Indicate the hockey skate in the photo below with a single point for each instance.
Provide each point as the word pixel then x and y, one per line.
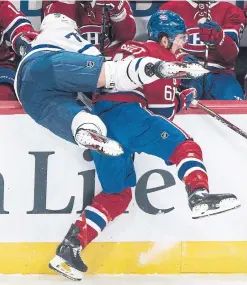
pixel 93 140
pixel 67 261
pixel 181 70
pixel 203 204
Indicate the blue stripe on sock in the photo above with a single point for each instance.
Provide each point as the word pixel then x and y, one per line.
pixel 187 165
pixel 96 219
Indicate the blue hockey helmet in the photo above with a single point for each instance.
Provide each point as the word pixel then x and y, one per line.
pixel 166 22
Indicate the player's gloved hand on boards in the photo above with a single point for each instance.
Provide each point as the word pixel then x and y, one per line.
pixel 22 44
pixel 211 33
pixel 114 7
pixel 185 98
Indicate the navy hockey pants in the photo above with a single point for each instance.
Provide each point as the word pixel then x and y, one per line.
pixel 218 86
pixel 47 83
pixel 138 130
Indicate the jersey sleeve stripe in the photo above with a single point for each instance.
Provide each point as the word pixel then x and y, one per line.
pixel 19 21
pixel 233 34
pixel 85 48
pixel 45 47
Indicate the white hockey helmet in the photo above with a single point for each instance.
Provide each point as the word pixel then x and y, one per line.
pixel 57 20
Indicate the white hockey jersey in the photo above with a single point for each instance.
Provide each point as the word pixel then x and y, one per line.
pixel 63 39
pixel 56 40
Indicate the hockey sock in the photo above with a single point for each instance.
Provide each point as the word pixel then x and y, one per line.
pixel 191 170
pixel 129 75
pixel 104 208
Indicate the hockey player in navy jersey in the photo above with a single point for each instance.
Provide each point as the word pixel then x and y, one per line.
pixel 139 130
pixel 214 29
pixel 17 30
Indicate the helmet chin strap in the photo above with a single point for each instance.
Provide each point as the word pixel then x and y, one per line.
pixel 170 44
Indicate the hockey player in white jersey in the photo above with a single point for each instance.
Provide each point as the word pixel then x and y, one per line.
pixel 61 64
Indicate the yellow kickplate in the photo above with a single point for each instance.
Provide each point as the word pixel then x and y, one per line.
pixel 108 258
pixel 214 257
pixel 131 258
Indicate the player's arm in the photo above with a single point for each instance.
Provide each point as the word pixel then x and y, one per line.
pixel 67 8
pixel 121 18
pixel 14 25
pixel 123 24
pixel 225 39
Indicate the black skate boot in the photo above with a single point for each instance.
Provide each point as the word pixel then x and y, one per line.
pixel 68 261
pixel 203 204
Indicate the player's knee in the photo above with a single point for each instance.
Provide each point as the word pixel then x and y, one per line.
pixel 86 120
pixel 230 91
pixel 188 148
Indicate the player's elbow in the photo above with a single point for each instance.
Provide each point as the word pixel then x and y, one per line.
pixel 229 50
pixel 128 35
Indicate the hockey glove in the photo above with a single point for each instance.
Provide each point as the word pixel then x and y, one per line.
pixel 185 98
pixel 22 44
pixel 211 34
pixel 190 58
pixel 115 7
pixel 183 56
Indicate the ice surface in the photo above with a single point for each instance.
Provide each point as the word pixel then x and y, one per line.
pixel 204 279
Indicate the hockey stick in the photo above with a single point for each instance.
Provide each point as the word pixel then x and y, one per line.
pixel 206 53
pixel 207 46
pixel 85 100
pixel 102 35
pixel 225 122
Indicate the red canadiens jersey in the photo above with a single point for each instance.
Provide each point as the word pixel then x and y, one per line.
pixel 159 96
pixel 12 24
pixel 89 18
pixel 228 16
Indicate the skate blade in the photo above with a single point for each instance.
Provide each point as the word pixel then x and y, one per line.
pixel 59 265
pixel 99 143
pixel 225 205
pixel 184 70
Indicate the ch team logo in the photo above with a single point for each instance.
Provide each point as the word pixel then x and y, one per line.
pixel 194 37
pixel 91 33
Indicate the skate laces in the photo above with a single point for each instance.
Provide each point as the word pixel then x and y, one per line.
pixel 198 192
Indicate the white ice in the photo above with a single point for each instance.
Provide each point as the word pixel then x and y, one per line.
pixel 188 279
